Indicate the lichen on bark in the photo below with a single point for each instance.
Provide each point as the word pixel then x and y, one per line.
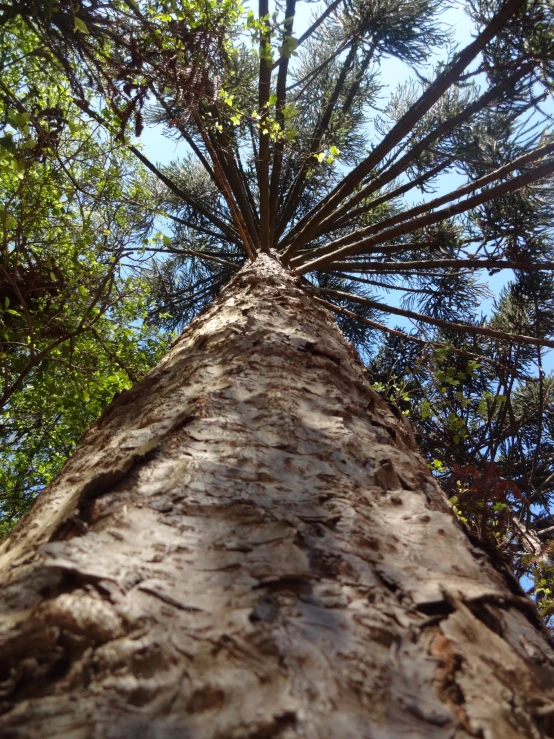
pixel 248 544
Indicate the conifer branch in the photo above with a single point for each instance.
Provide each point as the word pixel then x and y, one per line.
pixel 295 193
pixel 539 172
pixel 235 211
pixel 511 371
pixel 469 264
pixel 406 123
pixel 263 109
pixel 448 325
pixel 487 179
pixel 281 93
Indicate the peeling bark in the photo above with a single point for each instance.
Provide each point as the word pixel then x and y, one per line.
pixel 248 545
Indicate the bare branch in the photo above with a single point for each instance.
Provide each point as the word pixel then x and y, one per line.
pixel 539 172
pixel 279 145
pixel 470 264
pixel 416 340
pixel 448 325
pixel 295 192
pixel 436 202
pixel 263 109
pixel 184 195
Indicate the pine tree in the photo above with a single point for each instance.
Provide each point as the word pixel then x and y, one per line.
pixel 247 543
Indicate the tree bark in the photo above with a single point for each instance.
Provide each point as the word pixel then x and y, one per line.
pixel 247 544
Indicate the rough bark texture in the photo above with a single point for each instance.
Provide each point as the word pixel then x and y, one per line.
pixel 247 544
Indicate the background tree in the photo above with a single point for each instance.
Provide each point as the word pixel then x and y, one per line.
pixel 71 332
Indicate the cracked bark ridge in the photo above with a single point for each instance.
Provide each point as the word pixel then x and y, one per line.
pixel 247 544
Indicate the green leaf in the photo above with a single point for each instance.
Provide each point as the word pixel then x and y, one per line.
pixel 289 46
pixel 80 25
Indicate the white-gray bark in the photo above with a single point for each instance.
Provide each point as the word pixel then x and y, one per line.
pixel 247 544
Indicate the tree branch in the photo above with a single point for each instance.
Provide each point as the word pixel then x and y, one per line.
pixel 472 264
pixel 279 145
pixel 448 325
pixel 295 192
pixel 408 120
pixel 263 107
pixel 539 172
pixel 416 340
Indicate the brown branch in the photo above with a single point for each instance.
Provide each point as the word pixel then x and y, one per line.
pixel 334 224
pixel 537 173
pixel 183 194
pixel 406 123
pixel 190 141
pixel 368 322
pixel 417 340
pixel 179 191
pixel 315 25
pixel 235 211
pixel 415 151
pixel 355 87
pixel 222 149
pixel 472 264
pixel 448 325
pixel 196 253
pixel 308 78
pixel 436 202
pixel 279 145
pixel 246 186
pixel 201 229
pixel 295 192
pixel 263 107
pixel 386 285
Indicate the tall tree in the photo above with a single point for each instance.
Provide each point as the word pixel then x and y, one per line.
pixel 247 543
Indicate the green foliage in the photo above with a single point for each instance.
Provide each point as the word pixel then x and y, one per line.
pixel 43 422
pixel 72 330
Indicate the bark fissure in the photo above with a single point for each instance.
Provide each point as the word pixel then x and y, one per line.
pixel 247 544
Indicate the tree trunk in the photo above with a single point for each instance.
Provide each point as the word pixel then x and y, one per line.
pixel 247 544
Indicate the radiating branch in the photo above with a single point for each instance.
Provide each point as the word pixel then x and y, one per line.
pixel 423 342
pixel 470 264
pixel 448 325
pixel 184 195
pixel 295 193
pixel 263 109
pixel 407 122
pixel 539 172
pixel 236 213
pixel 279 145
pixel 313 28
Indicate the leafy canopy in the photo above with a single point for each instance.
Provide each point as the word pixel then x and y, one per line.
pixel 72 205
